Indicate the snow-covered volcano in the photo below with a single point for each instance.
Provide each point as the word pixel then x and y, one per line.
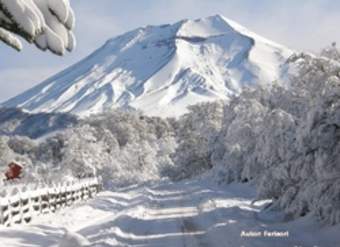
pixel 161 70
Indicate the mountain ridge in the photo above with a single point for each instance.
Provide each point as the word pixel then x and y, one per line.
pixel 161 70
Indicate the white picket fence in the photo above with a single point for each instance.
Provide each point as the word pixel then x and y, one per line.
pixel 20 203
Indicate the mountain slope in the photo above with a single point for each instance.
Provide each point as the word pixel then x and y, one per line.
pixel 161 70
pixel 14 121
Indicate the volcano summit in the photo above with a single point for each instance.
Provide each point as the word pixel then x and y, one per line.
pixel 161 70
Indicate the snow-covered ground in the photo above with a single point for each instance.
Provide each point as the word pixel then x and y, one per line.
pixel 189 213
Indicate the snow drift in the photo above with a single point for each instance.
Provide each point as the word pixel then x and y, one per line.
pixel 161 70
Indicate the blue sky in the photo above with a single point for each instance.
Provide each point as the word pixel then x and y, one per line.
pixel 299 24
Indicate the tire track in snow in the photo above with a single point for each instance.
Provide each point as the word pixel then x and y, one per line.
pixel 185 214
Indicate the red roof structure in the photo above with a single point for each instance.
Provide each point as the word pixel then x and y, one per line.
pixel 13 171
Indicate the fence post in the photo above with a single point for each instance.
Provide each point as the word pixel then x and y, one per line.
pixel 25 205
pixel 5 214
pixel 14 207
pixel 58 196
pixel 52 198
pixel 2 207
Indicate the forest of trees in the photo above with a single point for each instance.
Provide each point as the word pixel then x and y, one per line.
pixel 284 139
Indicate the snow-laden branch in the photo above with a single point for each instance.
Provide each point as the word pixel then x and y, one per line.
pixel 47 23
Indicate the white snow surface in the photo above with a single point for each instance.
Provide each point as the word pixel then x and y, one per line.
pixel 161 70
pixel 188 213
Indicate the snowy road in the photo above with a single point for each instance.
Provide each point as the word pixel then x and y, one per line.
pixel 171 214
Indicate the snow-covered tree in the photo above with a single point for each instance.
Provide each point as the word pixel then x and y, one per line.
pixel 331 52
pixel 286 139
pixel 242 123
pixel 316 168
pixel 46 23
pixel 80 153
pixel 196 133
pixel 6 153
